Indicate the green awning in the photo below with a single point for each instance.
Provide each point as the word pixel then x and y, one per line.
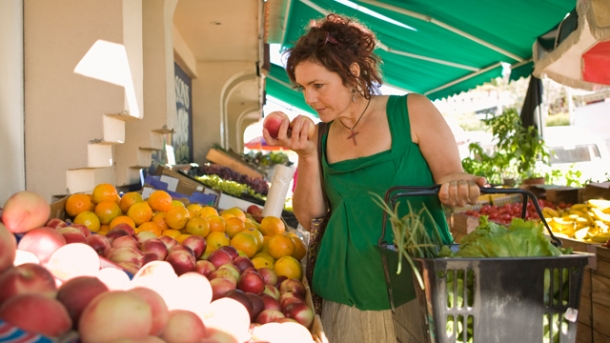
pixel 442 47
pixel 278 86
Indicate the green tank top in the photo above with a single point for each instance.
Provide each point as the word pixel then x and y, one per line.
pixel 349 269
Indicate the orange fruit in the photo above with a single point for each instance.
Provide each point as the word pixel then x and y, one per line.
pixel 237 212
pixel 226 215
pixel 234 225
pixel 260 239
pixel 160 201
pixel 194 210
pixel 103 230
pixel 105 192
pixel 271 225
pixel 151 227
pixel 300 249
pixel 208 211
pixel 77 203
pixel 177 217
pixel 182 237
pixel 280 245
pixel 140 212
pixel 217 223
pixel 107 211
pixel 262 260
pixel 178 203
pixel 89 219
pixel 159 218
pixel 198 226
pixel 122 219
pixel 245 242
pixel 215 240
pixel 171 233
pixel 289 267
pixel 129 199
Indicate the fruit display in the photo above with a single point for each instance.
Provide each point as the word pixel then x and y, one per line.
pixel 245 184
pixel 503 214
pixel 588 222
pixel 150 270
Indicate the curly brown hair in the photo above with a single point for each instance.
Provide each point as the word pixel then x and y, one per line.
pixel 336 42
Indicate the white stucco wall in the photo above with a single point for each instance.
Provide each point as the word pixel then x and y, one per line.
pixel 12 150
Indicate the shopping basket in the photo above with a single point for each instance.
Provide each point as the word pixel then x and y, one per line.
pixel 488 300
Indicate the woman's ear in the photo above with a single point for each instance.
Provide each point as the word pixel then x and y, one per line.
pixel 354 69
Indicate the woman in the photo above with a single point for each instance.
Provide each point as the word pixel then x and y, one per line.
pixel 373 142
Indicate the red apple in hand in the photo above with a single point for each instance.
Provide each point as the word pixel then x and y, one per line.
pixel 273 121
pixel 311 129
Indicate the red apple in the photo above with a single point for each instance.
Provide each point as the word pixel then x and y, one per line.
pixel 223 274
pixel 257 305
pixel 22 257
pixel 25 211
pixel 289 298
pixel 125 254
pixel 220 287
pixel 300 312
pixel 191 292
pixel 37 314
pixel 42 242
pixel 158 276
pixel 272 291
pixel 99 243
pixel 196 243
pixel 269 275
pixel 8 246
pixel 183 326
pixel 160 313
pixel 204 267
pixel 242 263
pixel 76 293
pixel 130 267
pixel 156 247
pixel 254 210
pixel 125 241
pixel 232 268
pixel 251 282
pixel 115 279
pixel 85 230
pixel 114 315
pixel 72 235
pixel 180 247
pixel 169 242
pixel 72 260
pixel 56 223
pixel 273 121
pixel 242 298
pixel 270 302
pixel 312 126
pixel 280 279
pixel 220 257
pixel 182 260
pixel 229 249
pixel 213 335
pixel 269 316
pixel 143 236
pixel 293 286
pixel 123 227
pixel 230 316
pixel 27 278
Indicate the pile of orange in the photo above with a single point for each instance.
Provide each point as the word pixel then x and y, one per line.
pixel 267 244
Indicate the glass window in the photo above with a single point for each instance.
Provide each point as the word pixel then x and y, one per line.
pixel 576 153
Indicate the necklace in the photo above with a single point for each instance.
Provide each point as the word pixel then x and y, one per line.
pixel 352 136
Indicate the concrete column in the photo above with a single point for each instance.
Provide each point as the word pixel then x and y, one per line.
pixel 12 149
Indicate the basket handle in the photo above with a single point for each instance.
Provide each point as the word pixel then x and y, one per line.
pixel 394 193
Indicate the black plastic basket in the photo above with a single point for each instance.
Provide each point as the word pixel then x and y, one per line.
pixel 499 300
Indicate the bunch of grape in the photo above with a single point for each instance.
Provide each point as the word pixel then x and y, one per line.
pixel 258 185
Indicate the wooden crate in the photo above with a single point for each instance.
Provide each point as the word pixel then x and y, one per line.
pixel 317 330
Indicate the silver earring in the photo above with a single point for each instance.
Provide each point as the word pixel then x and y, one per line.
pixel 353 95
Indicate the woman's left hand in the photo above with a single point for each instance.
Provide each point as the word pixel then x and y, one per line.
pixel 460 189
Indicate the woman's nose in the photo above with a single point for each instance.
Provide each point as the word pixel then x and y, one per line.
pixel 310 97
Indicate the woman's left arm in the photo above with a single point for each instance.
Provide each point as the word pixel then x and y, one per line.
pixel 438 146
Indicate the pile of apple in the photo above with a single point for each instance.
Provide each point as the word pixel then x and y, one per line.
pixel 57 286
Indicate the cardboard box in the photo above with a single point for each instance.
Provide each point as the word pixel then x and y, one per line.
pixel 596 191
pixel 179 186
pixel 226 160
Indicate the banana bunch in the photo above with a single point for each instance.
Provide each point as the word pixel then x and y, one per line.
pixel 589 222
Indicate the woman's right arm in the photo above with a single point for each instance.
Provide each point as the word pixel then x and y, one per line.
pixel 308 201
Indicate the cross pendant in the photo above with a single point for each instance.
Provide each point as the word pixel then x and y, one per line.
pixel 353 136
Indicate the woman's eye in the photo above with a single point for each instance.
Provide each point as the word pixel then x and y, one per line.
pixel 318 86
pixel 299 88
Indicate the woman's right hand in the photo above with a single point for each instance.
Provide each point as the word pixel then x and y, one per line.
pixel 295 136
